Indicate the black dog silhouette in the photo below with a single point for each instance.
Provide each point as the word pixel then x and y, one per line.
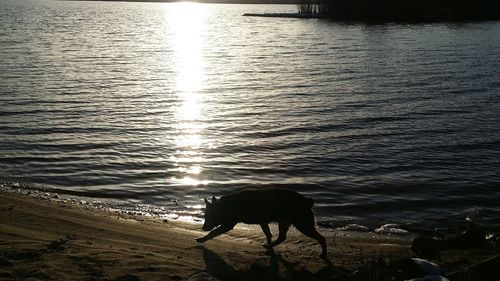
pixel 262 207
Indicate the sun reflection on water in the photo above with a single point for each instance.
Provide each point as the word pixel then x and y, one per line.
pixel 185 21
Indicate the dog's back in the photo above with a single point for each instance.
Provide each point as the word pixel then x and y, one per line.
pixel 263 206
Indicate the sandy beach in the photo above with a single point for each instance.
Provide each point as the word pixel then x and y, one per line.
pixel 43 239
pixel 48 240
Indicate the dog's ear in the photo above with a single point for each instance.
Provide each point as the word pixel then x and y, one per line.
pixel 214 200
pixel 207 203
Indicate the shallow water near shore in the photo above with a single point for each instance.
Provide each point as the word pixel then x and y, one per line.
pixel 142 105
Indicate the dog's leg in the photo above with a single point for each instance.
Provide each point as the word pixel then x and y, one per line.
pixel 267 232
pixel 283 229
pixel 313 233
pixel 216 232
pixel 306 225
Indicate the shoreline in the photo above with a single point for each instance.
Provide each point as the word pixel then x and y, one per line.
pixel 395 20
pixel 284 15
pixel 46 239
pixel 171 210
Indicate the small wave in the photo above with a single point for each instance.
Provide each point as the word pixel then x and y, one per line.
pixel 354 227
pixel 99 202
pixel 391 229
pixel 55 190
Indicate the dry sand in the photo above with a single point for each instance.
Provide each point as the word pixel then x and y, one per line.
pixel 48 240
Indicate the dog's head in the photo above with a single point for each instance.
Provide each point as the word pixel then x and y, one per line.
pixel 212 214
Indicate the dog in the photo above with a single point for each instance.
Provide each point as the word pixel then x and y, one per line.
pixel 286 207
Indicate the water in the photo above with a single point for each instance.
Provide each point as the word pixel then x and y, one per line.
pixel 164 104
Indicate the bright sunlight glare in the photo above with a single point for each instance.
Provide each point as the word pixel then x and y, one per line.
pixel 185 22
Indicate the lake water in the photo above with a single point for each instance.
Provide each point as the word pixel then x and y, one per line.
pixel 165 104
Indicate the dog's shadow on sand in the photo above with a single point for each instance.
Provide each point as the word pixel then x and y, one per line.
pixel 220 269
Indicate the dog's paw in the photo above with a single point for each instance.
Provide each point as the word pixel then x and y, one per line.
pixel 201 239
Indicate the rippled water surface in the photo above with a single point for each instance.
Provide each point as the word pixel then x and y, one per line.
pixel 151 102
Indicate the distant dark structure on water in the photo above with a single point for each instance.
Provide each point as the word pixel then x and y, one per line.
pixel 402 10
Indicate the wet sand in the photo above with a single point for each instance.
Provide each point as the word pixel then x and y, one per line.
pixel 49 240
